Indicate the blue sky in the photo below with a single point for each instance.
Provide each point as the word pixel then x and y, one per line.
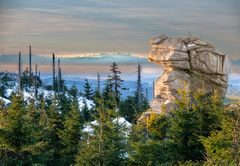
pixel 73 27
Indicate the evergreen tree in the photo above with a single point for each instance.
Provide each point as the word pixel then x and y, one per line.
pixel 108 96
pixel 128 109
pixel 190 121
pixel 96 99
pixel 70 135
pixel 149 153
pixel 149 145
pixel 223 146
pixel 85 112
pixel 73 93
pixel 177 134
pixel 88 92
pixel 53 131
pixel 25 79
pixel 133 106
pixel 5 82
pixel 53 124
pixel 64 104
pixel 19 144
pixel 114 82
pixel 106 144
pixel 34 118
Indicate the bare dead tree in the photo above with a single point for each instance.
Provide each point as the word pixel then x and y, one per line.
pixel 98 82
pixel 19 71
pixel 53 70
pixel 59 76
pixel 139 88
pixel 35 83
pixel 30 62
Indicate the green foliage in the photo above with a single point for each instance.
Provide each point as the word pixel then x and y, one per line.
pixel 133 106
pixel 26 81
pixel 114 82
pixel 158 125
pixel 86 112
pixel 70 135
pixel 64 104
pixel 19 141
pixel 109 96
pixel 88 92
pixel 73 93
pixel 146 151
pixel 106 144
pixel 52 130
pixel 193 118
pixel 177 134
pixel 128 109
pixel 52 122
pixel 5 82
pixel 222 146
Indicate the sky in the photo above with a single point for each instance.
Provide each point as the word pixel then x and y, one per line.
pixel 76 27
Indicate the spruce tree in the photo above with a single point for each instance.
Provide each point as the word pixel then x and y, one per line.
pixel 114 81
pixel 195 116
pixel 19 144
pixel 133 106
pixel 85 112
pixel 70 136
pixel 146 148
pixel 34 118
pixel 64 104
pixel 26 82
pixel 5 82
pixel 223 146
pixel 88 92
pixel 73 93
pixel 108 96
pixel 128 109
pixel 105 145
pixel 53 124
pixel 174 138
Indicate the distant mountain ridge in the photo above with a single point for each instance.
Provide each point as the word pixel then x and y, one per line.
pixel 102 58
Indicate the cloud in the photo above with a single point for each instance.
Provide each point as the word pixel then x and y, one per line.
pixel 119 25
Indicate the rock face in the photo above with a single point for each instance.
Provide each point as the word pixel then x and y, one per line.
pixel 189 63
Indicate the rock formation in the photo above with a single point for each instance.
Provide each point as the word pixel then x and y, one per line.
pixel 190 63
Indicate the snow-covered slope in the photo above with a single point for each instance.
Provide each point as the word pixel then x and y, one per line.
pixel 89 128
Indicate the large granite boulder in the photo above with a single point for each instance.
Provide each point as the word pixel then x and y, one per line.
pixel 190 63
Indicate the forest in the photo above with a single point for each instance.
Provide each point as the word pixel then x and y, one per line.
pixel 55 130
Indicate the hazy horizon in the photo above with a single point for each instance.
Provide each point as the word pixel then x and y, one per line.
pixel 90 64
pixel 82 65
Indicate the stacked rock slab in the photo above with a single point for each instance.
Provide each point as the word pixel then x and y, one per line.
pixel 189 63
